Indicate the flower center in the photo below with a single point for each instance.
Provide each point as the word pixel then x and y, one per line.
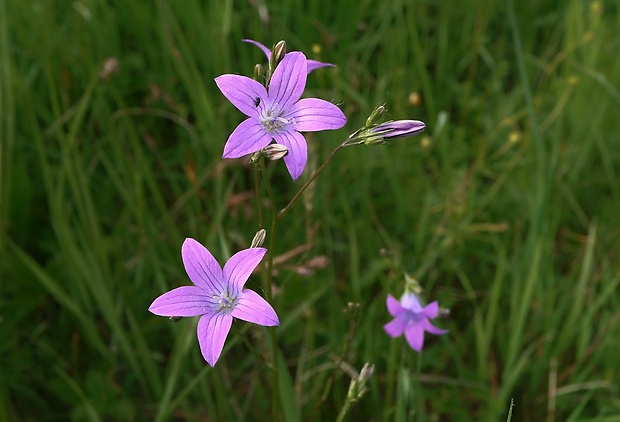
pixel 225 301
pixel 273 122
pixel 413 318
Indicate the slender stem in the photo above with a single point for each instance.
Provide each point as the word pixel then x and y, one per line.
pixel 418 388
pixel 330 381
pixel 343 412
pixel 275 410
pixel 259 198
pixel 275 216
pixel 261 219
pixel 390 382
pixel 311 179
pixel 242 334
pixel 274 222
pixel 512 404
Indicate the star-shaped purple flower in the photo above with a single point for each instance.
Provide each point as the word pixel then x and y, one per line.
pixel 312 64
pixel 278 113
pixel 411 319
pixel 217 296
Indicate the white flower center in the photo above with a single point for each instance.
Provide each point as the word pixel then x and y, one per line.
pixel 273 121
pixel 226 301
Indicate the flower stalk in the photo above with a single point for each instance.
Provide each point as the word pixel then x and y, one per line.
pixel 357 389
pixel 275 409
pixel 290 204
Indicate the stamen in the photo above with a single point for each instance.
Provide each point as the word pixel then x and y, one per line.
pixel 225 301
pixel 273 121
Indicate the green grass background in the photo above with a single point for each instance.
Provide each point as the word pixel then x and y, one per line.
pixel 506 209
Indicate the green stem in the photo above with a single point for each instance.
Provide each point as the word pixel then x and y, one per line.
pixel 259 198
pixel 311 179
pixel 390 382
pixel 275 216
pixel 343 412
pixel 330 381
pixel 241 334
pixel 275 410
pixel 261 219
pixel 418 387
pixel 274 222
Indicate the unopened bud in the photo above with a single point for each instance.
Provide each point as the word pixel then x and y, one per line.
pixel 444 313
pixel 259 239
pixel 392 129
pixel 275 151
pixel 279 50
pixel 358 386
pixel 412 285
pixel 366 372
pixel 258 72
pixel 375 115
pixel 255 157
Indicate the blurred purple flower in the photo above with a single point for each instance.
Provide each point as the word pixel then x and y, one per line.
pixel 277 114
pixel 411 319
pixel 217 296
pixel 312 64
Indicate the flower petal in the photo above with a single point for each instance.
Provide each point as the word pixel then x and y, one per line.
pixel 431 310
pixel 297 155
pixel 314 65
pixel 185 301
pixel 241 265
pixel 313 114
pixel 289 80
pixel 262 47
pixel 398 128
pixel 253 308
pixel 411 302
pixel 212 332
pixel 393 306
pixel 200 266
pixel 247 138
pixel 432 329
pixel 415 336
pixel 243 92
pixel 396 327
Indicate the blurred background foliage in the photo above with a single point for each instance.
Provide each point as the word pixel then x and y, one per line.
pixel 505 209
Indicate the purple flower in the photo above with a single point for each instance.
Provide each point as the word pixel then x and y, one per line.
pixel 217 296
pixel 411 319
pixel 277 114
pixel 392 129
pixel 312 64
pixel 395 129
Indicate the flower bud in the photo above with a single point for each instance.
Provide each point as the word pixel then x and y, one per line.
pixel 366 372
pixel 443 312
pixel 375 115
pixel 277 54
pixel 258 72
pixel 275 151
pixel 412 285
pixel 358 386
pixel 279 50
pixel 259 239
pixel 392 129
pixel 255 157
